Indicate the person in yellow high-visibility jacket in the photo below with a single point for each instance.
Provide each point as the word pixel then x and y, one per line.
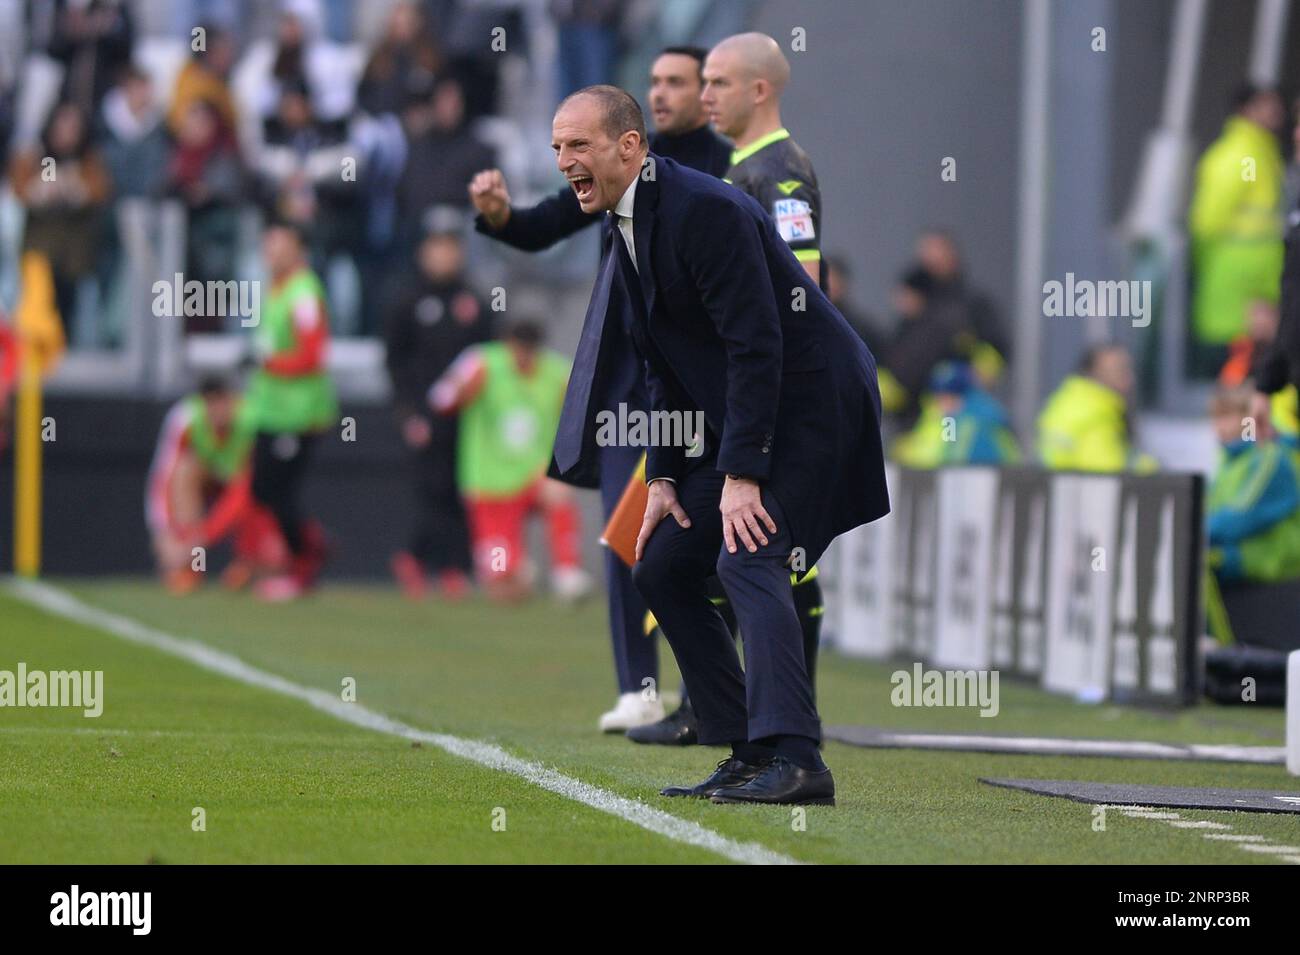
pixel 1085 424
pixel 1235 222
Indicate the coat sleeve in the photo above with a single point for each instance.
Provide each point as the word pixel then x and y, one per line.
pixel 722 251
pixel 662 460
pixel 541 226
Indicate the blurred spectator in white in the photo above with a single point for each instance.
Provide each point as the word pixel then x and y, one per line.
pixel 135 142
pixel 308 173
pixel 207 176
pixel 589 41
pixel 381 152
pixel 405 61
pixel 206 76
pixel 64 185
pixel 92 40
pixel 299 55
pixel 443 155
pixel 12 43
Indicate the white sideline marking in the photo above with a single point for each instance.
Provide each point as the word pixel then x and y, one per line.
pixel 63 604
pixel 1049 746
pixel 1250 843
pixel 1271 849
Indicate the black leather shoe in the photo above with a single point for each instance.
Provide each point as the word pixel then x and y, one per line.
pixel 730 772
pixel 678 728
pixel 781 781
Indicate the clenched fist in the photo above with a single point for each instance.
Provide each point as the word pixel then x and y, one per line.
pixel 487 190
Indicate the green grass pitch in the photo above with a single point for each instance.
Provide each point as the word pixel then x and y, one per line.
pixel 282 782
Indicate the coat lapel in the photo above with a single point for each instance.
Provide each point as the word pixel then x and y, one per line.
pixel 644 210
pixel 583 383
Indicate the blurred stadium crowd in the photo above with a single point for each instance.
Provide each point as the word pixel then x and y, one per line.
pixel 351 157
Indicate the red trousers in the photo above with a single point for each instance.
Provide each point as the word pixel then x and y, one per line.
pixel 497 528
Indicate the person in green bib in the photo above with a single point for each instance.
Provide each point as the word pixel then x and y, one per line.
pixel 197 493
pixel 291 401
pixel 509 394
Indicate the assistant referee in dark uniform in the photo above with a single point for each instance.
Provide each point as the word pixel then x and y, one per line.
pixel 744 77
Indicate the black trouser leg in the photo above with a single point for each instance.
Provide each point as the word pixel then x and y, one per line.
pixel 279 462
pixel 672 576
pixel 440 540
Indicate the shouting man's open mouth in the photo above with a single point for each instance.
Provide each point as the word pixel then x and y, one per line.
pixel 583 185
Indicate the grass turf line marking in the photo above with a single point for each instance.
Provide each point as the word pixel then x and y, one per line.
pixel 60 603
pixel 1053 746
pixel 1269 848
pixel 1251 843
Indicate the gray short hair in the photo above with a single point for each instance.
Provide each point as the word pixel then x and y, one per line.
pixel 619 110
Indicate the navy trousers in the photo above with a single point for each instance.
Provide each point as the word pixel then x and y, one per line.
pixel 773 695
pixel 636 656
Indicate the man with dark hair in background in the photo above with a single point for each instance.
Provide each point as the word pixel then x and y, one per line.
pixel 437 317
pixel 681 132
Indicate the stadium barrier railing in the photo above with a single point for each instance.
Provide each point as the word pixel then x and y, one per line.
pixel 1086 584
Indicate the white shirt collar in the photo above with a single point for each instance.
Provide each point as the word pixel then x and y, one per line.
pixel 625 204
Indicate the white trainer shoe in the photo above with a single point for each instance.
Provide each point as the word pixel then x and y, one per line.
pixel 632 709
pixel 571 584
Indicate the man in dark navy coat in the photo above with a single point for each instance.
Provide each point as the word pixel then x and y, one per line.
pixel 729 325
pixel 683 133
